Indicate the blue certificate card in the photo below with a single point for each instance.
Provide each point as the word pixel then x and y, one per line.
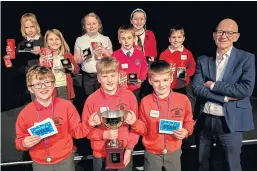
pixel 168 126
pixel 44 128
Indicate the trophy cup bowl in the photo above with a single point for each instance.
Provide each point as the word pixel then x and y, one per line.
pixel 113 119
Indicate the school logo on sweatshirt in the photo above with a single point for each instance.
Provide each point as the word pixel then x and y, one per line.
pixel 58 121
pixel 177 112
pixel 137 62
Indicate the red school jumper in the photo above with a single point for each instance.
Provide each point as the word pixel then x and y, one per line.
pixel 68 124
pixel 176 57
pixel 136 63
pixel 99 101
pixel 148 126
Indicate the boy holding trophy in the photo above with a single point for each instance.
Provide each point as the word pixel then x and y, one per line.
pixel 46 126
pixel 165 119
pixel 111 99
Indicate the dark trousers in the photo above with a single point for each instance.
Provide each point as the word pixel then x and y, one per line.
pixel 213 129
pixel 65 165
pixel 90 83
pixel 99 164
pixel 167 162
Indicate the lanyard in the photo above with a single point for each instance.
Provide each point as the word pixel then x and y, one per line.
pixel 159 108
pixel 46 141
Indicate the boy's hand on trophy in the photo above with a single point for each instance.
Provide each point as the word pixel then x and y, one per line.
pixel 131 118
pixel 94 119
pixel 127 156
pixel 111 134
pixel 30 141
pixel 181 133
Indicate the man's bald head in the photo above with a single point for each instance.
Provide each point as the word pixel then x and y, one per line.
pixel 228 23
pixel 226 34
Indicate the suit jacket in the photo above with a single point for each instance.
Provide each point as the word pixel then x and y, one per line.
pixel 238 82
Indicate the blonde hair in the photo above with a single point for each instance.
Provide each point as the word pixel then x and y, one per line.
pixel 160 67
pixel 33 19
pixel 91 14
pixel 107 65
pixel 125 29
pixel 40 73
pixel 64 46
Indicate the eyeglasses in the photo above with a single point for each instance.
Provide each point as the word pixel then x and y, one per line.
pixel 39 85
pixel 227 33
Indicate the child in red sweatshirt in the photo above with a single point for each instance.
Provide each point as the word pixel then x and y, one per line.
pixel 131 61
pixel 53 152
pixel 110 96
pixel 181 60
pixel 163 149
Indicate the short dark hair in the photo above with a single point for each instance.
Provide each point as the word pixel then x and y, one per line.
pixel 159 67
pixel 177 28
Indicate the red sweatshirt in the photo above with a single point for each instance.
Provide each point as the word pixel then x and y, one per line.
pixel 99 101
pixel 136 63
pixel 176 57
pixel 67 121
pixel 148 126
pixel 150 47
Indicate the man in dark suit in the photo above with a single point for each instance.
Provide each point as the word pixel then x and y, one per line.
pixel 224 84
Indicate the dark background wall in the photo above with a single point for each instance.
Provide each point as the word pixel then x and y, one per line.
pixel 199 20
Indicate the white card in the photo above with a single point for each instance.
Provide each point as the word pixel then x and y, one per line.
pixel 44 128
pixel 183 57
pixel 168 126
pixel 124 66
pixel 154 113
pixel 103 109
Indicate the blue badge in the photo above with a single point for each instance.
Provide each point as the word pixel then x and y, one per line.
pixel 168 126
pixel 44 128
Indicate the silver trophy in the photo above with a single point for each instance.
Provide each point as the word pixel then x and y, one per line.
pixel 113 119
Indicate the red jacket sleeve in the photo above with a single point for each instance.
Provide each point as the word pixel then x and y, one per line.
pixel 95 133
pixel 190 64
pixel 72 60
pixel 76 128
pixel 21 132
pixel 150 44
pixel 188 122
pixel 133 138
pixel 144 69
pixel 140 126
pixel 162 56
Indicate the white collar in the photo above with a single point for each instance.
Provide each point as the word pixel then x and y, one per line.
pixel 126 51
pixel 92 37
pixel 34 38
pixel 180 49
pixel 226 55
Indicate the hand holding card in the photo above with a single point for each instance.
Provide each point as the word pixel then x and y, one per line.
pixel 30 141
pixel 44 128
